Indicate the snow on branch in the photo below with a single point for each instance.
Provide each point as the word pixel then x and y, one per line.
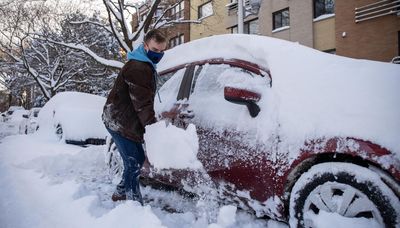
pixel 173 22
pixel 107 28
pixel 80 47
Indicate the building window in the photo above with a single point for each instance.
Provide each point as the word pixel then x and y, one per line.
pixel 205 10
pixel 158 13
pixel 177 12
pixel 249 27
pixel 322 7
pixel 280 18
pixel 175 41
pixel 234 29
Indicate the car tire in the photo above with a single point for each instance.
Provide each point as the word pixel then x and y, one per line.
pixel 113 158
pixel 346 189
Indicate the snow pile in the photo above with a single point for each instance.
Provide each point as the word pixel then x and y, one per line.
pixel 79 115
pixel 226 217
pixel 68 186
pixel 313 94
pixel 336 220
pixel 168 146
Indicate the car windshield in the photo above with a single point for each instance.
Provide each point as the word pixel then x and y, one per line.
pixel 10 113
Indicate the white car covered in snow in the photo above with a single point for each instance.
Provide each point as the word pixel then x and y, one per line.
pixel 30 122
pixel 8 114
pixel 13 120
pixel 74 118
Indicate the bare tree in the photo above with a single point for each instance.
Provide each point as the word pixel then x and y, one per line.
pixel 120 13
pixel 30 59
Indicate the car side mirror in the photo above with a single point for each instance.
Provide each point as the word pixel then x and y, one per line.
pixel 25 116
pixel 243 97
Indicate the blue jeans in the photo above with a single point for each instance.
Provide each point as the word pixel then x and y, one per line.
pixel 132 155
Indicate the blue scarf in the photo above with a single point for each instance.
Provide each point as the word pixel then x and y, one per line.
pixel 140 54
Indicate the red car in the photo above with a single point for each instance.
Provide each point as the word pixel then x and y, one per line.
pixel 283 129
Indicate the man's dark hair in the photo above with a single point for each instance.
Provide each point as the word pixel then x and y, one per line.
pixel 155 34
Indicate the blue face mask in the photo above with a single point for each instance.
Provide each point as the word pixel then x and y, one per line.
pixel 155 57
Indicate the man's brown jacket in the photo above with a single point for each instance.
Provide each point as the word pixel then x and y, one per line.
pixel 130 104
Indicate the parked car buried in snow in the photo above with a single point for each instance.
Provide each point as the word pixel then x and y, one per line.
pixel 74 118
pixel 13 120
pixel 8 114
pixel 290 132
pixel 30 123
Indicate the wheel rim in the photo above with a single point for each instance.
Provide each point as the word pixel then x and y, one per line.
pixel 342 199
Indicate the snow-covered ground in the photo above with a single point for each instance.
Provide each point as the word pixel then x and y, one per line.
pixel 46 183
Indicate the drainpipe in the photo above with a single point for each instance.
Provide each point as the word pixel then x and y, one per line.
pixel 240 16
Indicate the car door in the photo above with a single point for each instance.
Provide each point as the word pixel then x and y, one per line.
pixel 167 106
pixel 230 156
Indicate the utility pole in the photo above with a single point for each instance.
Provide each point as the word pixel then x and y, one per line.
pixel 240 16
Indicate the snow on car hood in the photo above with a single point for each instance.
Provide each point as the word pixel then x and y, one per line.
pixel 313 94
pixel 78 113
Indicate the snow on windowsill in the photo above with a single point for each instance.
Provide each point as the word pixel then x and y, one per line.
pixel 280 29
pixel 323 17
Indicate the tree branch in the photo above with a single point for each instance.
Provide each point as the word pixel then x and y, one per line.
pixel 101 60
pixel 92 22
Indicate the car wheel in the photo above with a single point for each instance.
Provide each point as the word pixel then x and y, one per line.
pixel 344 191
pixel 113 158
pixel 59 131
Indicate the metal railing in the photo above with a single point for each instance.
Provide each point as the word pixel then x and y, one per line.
pixel 377 9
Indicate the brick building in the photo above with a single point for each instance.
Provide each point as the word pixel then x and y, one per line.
pixel 368 29
pixel 177 33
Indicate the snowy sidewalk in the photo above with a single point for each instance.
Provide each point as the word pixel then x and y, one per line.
pixel 49 184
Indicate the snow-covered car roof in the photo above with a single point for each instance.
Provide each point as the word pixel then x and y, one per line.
pixel 17 115
pixel 78 113
pixel 313 94
pixel 13 108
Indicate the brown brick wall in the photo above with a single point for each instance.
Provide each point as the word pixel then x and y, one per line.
pixel 375 39
pixel 178 29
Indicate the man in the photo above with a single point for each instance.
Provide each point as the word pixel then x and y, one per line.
pixel 129 108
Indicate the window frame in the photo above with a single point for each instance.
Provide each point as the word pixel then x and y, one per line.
pixel 280 12
pixel 247 25
pixel 176 40
pixel 199 16
pixel 178 11
pixel 325 11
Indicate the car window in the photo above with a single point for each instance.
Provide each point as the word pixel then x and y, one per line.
pixel 10 112
pixel 207 98
pixel 215 77
pixel 167 90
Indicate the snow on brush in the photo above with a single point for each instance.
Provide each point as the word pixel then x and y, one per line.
pixel 168 146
